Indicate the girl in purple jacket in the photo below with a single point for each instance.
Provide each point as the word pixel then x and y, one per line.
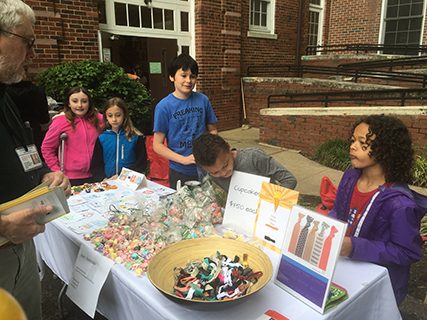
pixel 382 213
pixel 82 124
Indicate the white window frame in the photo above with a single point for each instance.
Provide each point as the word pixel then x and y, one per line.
pixel 381 34
pixel 261 31
pixel 320 11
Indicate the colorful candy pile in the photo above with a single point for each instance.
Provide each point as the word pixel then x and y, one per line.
pixel 217 277
pixel 133 239
pixel 88 187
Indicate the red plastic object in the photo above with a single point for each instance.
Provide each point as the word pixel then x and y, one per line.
pixel 159 165
pixel 328 192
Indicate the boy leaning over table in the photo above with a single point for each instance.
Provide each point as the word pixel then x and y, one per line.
pixel 213 154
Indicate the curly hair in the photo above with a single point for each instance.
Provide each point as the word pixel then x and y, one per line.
pixel 207 148
pixel 391 145
pixel 91 114
pixel 127 124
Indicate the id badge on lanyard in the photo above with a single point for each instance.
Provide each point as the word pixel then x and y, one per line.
pixel 30 159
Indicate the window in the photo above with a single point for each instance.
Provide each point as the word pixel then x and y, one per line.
pixel 102 17
pixel 141 16
pixel 315 18
pixel 403 25
pixel 261 16
pixel 184 22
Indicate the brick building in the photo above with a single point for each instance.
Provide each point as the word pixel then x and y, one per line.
pixel 222 35
pixel 225 37
pixel 390 22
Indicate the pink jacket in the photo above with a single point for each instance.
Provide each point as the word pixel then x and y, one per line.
pixel 78 146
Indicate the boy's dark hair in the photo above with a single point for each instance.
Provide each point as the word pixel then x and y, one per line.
pixel 391 146
pixel 207 148
pixel 185 62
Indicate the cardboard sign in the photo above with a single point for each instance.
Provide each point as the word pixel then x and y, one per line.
pixel 274 208
pixel 309 256
pixel 242 201
pixel 132 179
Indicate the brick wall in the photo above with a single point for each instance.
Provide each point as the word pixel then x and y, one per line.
pixel 348 21
pixel 307 132
pixel 224 50
pixel 353 21
pixel 257 90
pixel 65 31
pixel 218 51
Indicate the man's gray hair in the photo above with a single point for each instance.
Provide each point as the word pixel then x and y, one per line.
pixel 13 13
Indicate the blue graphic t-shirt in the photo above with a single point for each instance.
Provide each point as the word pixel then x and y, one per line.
pixel 182 121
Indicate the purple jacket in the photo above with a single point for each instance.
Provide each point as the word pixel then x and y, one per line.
pixel 388 231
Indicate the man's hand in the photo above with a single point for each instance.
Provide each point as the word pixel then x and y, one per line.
pixel 59 179
pixel 20 226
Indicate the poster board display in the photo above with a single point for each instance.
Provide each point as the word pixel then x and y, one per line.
pixel 274 208
pixel 132 179
pixel 309 256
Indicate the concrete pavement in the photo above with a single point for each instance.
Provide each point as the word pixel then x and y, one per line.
pixel 307 172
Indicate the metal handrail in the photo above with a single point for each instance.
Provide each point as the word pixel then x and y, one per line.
pixel 386 63
pixel 333 96
pixel 300 70
pixel 367 47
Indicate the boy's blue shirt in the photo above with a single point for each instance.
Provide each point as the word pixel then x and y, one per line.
pixel 182 121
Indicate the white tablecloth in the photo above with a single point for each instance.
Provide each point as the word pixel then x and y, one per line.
pixel 126 296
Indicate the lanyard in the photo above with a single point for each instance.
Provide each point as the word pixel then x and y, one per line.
pixel 11 119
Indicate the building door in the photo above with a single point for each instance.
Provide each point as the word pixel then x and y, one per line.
pixel 160 52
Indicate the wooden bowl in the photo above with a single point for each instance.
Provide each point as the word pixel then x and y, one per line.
pixel 160 269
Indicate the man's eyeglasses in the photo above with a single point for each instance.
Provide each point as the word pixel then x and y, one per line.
pixel 30 41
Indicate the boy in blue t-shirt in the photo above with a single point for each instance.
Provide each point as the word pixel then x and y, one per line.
pixel 181 117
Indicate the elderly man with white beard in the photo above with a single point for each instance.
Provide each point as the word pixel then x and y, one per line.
pixel 18 264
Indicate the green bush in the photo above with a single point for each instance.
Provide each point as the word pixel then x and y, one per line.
pixel 419 172
pixel 334 154
pixel 104 81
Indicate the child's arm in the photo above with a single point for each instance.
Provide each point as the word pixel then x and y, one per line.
pixel 141 155
pixel 97 165
pixel 211 128
pixel 269 167
pixel 164 151
pixel 403 246
pixel 51 142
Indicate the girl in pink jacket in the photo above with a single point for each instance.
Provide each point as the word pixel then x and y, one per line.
pixel 81 124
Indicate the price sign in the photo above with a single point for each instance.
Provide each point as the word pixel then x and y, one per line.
pixel 242 201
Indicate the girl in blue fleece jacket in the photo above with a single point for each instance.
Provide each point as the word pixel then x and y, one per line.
pixel 382 213
pixel 120 145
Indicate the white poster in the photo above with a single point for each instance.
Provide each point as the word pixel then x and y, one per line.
pixel 274 207
pixel 90 272
pixel 242 202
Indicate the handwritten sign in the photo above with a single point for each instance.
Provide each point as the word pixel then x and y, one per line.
pixel 132 179
pixel 242 201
